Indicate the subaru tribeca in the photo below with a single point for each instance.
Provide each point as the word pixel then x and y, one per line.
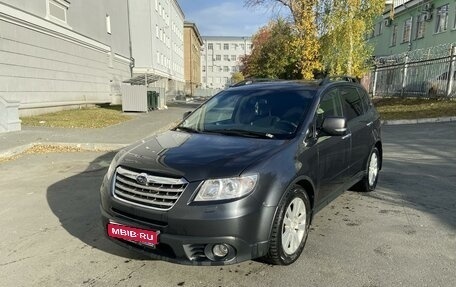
pixel 242 175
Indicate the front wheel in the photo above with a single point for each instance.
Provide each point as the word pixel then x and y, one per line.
pixel 290 227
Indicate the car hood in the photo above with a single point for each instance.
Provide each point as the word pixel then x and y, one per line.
pixel 197 156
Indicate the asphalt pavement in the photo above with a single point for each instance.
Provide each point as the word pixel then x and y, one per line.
pixel 403 234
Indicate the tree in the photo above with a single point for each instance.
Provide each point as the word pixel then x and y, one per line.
pixel 330 34
pixel 237 77
pixel 272 55
pixel 345 25
pixel 305 40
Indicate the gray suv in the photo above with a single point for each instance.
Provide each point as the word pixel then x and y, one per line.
pixel 242 176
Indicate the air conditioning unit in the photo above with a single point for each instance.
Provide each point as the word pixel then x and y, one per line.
pixel 428 7
pixel 387 22
pixel 428 16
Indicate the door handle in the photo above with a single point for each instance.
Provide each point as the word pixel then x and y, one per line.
pixel 346 136
pixel 369 124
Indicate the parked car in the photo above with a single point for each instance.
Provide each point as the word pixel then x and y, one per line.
pixel 242 176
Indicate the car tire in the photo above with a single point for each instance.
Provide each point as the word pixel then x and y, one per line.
pixel 370 178
pixel 290 227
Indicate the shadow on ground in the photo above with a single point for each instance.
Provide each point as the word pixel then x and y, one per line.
pixel 75 201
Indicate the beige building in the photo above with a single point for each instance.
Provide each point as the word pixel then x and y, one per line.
pixel 192 57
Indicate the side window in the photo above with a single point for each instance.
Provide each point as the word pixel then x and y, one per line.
pixel 351 102
pixel 329 106
pixel 364 100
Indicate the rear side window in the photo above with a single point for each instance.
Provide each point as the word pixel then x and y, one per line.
pixel 351 102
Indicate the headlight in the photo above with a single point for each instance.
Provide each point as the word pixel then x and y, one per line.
pixel 226 188
pixel 114 163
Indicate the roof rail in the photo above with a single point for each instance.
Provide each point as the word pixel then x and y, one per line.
pixel 252 81
pixel 329 79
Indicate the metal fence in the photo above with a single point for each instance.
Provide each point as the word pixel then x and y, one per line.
pixel 422 73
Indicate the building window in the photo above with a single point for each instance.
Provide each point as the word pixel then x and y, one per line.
pixel 204 69
pixel 393 35
pixel 210 69
pixel 454 24
pixel 407 31
pixel 233 58
pixel 234 69
pixel 226 46
pixel 442 19
pixel 242 46
pixel 226 68
pixel 57 10
pixel 108 24
pixel 379 28
pixel 226 58
pixel 219 46
pixel 420 26
pixel 210 46
pixel 218 57
pixel 233 47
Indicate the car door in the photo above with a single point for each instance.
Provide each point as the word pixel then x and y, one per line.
pixel 359 122
pixel 333 151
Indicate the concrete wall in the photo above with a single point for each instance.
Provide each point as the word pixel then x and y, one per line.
pixel 47 66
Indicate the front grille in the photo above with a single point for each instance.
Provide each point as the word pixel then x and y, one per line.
pixel 153 192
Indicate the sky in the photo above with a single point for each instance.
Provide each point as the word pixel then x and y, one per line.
pixel 226 17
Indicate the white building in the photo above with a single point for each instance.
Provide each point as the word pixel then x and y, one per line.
pixel 221 58
pixel 157 43
pixel 57 54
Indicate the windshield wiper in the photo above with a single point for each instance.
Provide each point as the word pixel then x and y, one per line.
pixel 187 129
pixel 239 132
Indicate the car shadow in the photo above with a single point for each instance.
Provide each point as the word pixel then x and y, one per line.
pixel 75 202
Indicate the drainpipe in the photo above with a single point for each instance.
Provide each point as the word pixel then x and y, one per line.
pixel 132 61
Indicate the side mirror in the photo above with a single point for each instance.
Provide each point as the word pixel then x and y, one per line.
pixel 334 126
pixel 186 114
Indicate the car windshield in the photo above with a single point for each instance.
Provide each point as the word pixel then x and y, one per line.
pixel 272 113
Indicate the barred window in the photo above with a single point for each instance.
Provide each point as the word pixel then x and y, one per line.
pixel 442 19
pixel 407 31
pixel 393 35
pixel 420 26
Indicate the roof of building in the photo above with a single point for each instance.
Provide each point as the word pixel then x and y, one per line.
pixel 195 29
pixel 227 38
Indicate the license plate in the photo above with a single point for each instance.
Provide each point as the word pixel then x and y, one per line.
pixel 149 237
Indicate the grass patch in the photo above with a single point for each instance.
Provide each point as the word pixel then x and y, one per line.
pixel 96 117
pixel 405 108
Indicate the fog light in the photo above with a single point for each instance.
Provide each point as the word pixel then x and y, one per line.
pixel 220 250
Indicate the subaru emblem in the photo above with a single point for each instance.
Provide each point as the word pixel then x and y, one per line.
pixel 142 179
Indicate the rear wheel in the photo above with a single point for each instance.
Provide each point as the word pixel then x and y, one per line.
pixel 369 181
pixel 290 227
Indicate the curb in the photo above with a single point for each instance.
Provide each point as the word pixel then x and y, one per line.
pixel 419 121
pixel 83 146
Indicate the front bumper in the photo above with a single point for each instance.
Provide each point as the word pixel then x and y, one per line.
pixel 188 232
